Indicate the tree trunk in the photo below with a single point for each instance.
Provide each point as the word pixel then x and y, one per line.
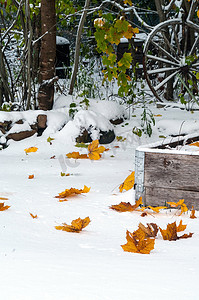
pixel 77 46
pixel 47 55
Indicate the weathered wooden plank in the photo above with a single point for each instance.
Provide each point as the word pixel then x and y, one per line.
pixel 159 197
pixel 171 171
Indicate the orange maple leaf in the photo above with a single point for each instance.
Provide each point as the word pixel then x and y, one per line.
pixel 94 152
pixel 72 191
pixel 126 206
pixel 128 182
pixel 76 155
pixel 192 215
pixel 2 207
pixel 76 225
pixel 138 244
pixel 33 216
pixel 194 144
pixel 31 149
pixel 170 233
pixel 31 176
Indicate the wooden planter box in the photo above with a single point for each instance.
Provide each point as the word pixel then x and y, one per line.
pixel 163 175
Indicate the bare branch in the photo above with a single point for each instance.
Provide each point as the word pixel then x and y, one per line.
pixel 14 22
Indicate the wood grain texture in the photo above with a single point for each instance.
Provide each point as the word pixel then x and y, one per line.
pixel 159 197
pixel 171 171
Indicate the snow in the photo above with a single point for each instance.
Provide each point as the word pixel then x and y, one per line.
pixel 39 262
pixel 61 40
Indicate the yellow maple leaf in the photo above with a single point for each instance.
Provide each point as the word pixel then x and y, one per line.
pixel 3 207
pixel 157 208
pixel 76 225
pixel 192 215
pixel 128 182
pixel 198 13
pixel 31 176
pixel 72 191
pixel 180 203
pixel 76 155
pixel 174 204
pixel 183 208
pixel 138 245
pixel 158 115
pixel 128 2
pixel 31 149
pixel 94 152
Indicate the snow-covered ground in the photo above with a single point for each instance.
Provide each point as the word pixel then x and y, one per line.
pixel 39 262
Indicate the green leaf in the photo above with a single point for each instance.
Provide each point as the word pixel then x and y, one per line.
pixel 81 145
pixel 49 139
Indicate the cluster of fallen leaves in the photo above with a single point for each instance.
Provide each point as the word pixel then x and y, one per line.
pixel 94 152
pixel 142 240
pixel 126 206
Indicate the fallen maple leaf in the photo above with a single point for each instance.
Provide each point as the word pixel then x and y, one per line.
pixel 76 225
pixel 31 176
pixel 76 155
pixel 33 216
pixel 31 149
pixel 170 233
pixel 126 206
pixel 128 182
pixel 192 215
pixel 181 227
pixel 72 191
pixel 174 204
pixel 94 152
pixel 180 203
pixel 2 207
pixel 123 206
pixel 137 245
pixel 151 230
pixel 157 208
